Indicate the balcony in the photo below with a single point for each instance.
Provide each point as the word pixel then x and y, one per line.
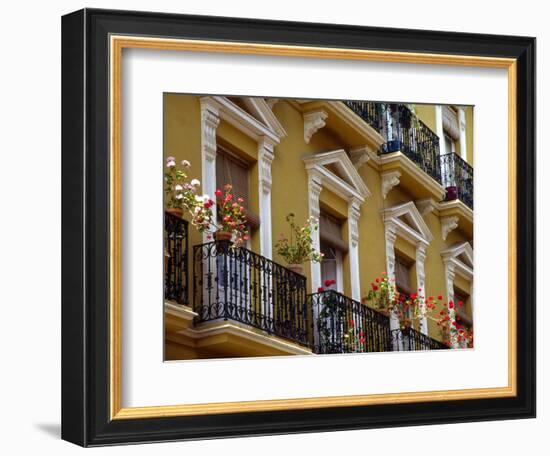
pixel 404 132
pixel 457 177
pixel 369 111
pixel 236 289
pixel 244 287
pixel 342 325
pixel 176 277
pixel 409 339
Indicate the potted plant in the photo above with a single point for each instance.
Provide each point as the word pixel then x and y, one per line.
pixel 298 248
pixel 231 218
pixel 180 194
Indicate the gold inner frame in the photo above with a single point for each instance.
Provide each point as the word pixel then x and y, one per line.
pixel 117 44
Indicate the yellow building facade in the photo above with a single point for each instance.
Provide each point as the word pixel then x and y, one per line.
pixel 392 186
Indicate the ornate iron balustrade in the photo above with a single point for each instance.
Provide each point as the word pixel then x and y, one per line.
pixel 240 285
pixel 342 325
pixel 403 131
pixel 410 339
pixel 369 111
pixel 406 133
pixel 176 277
pixel 457 177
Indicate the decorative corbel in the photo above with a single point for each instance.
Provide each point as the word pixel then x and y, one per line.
pixel 448 224
pixel 389 180
pixel 313 121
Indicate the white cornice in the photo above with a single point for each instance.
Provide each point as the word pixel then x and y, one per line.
pixel 451 257
pixel 357 122
pixel 262 109
pixel 240 119
pixel 316 163
pixel 420 233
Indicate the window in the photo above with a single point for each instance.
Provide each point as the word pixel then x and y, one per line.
pixel 403 276
pixel 232 170
pixel 462 313
pixel 450 128
pixel 333 249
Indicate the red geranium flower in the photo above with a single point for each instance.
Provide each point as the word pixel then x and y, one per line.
pixel 320 290
pixel 374 287
pixel 451 304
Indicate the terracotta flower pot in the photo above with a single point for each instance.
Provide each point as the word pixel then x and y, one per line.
pixel 223 235
pixel 297 268
pixel 176 211
pixel 451 193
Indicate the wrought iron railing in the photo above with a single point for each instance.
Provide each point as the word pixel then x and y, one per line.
pixel 342 325
pixel 240 285
pixel 403 131
pixel 406 133
pixel 457 177
pixel 369 111
pixel 409 339
pixel 176 277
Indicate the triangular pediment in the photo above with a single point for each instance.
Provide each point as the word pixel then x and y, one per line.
pixel 408 217
pixel 461 251
pixel 260 109
pixel 339 172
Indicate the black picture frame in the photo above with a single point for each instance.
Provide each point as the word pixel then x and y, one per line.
pixel 85 225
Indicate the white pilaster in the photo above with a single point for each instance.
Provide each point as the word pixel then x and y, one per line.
pixel 265 157
pixel 421 284
pixel 462 127
pixel 450 278
pixel 315 186
pixel 439 129
pixel 354 213
pixel 390 237
pixel 210 120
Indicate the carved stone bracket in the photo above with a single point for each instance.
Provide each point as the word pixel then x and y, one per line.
pixel 448 224
pixel 313 121
pixel 359 156
pixel 265 158
pixel 390 179
pixel 425 206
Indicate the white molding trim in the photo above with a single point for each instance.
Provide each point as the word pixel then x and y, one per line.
pixel 267 136
pixel 439 129
pixel 240 119
pixel 263 111
pixel 315 185
pixel 354 212
pixel 418 234
pixel 454 265
pixel 355 188
pixel 389 179
pixel 448 224
pixel 265 158
pixel 210 120
pixel 451 256
pixel 313 122
pixel 357 122
pixel 462 138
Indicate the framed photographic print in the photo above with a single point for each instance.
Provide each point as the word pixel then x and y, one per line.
pixel 274 227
